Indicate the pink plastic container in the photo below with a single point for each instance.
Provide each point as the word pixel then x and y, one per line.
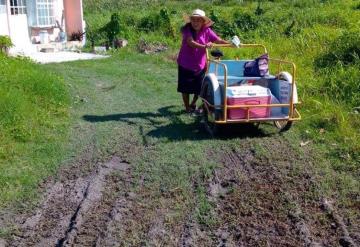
pixel 248 95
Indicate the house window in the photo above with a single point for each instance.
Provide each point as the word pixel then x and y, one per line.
pixel 18 7
pixel 45 12
pixel 2 6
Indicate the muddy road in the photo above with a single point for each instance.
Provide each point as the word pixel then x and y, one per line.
pixel 256 199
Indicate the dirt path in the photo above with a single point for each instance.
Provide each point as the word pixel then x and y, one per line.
pixel 77 209
pixel 151 177
pixel 270 200
pixel 257 200
pixel 260 202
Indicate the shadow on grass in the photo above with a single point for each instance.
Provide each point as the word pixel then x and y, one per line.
pixel 177 129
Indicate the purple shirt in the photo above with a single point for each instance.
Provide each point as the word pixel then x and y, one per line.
pixel 195 58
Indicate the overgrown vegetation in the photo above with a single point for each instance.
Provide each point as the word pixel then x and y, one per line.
pixel 34 115
pixel 5 44
pixel 343 56
pixel 129 26
pixel 321 37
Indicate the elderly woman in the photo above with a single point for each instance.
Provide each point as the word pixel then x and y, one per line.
pixel 197 36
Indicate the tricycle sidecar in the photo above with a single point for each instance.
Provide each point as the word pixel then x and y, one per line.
pixel 231 97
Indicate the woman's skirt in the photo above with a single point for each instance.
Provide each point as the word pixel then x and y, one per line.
pixel 189 81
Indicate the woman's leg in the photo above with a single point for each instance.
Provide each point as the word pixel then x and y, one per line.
pixel 193 102
pixel 185 98
pixel 199 78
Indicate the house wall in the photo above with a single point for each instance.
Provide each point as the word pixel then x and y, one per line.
pixel 4 27
pixel 18 30
pixel 73 16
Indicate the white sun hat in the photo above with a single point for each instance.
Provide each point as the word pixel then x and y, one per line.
pixel 200 13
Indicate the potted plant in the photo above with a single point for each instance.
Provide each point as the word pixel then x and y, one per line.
pixel 5 44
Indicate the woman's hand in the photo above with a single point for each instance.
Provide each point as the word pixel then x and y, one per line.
pixel 195 44
pixel 209 45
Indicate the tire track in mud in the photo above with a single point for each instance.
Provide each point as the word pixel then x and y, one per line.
pixel 265 200
pixel 75 212
pixel 253 206
pixel 259 200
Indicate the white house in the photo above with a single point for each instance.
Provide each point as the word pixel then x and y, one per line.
pixel 29 22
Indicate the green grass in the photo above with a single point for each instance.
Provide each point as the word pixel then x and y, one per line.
pixel 321 37
pixel 34 120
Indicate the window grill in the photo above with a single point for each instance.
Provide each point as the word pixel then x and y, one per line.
pixel 18 7
pixel 45 12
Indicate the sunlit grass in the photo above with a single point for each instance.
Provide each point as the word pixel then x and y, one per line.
pixel 34 118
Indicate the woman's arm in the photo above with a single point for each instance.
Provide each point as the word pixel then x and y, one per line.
pixel 193 44
pixel 221 41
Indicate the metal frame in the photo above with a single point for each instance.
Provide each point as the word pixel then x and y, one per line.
pixel 294 114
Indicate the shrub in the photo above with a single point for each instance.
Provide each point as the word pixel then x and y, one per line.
pixel 245 21
pixel 112 28
pixel 101 31
pixel 158 22
pixel 148 23
pixel 223 27
pixel 5 43
pixel 344 50
pixel 342 83
pixel 94 35
pixel 339 68
pixel 165 22
pixel 259 10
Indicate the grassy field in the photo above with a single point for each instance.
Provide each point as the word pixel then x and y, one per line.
pixel 127 106
pixel 319 36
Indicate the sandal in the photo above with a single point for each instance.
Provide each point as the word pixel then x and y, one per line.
pixel 197 112
pixel 189 110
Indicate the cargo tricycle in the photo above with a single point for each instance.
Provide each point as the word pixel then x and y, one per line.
pixel 231 96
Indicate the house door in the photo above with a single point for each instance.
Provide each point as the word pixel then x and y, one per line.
pixel 19 30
